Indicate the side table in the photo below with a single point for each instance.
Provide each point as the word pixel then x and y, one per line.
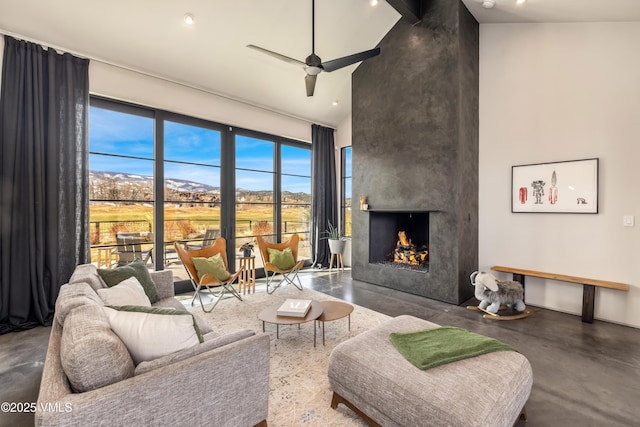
pixel 334 310
pixel 247 279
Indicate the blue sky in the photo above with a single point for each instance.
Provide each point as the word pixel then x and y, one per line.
pixel 124 134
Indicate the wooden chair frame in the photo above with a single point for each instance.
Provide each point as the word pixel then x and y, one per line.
pixel 210 236
pixel 288 276
pixel 208 281
pixel 129 248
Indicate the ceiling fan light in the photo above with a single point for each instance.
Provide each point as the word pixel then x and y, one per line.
pixel 313 71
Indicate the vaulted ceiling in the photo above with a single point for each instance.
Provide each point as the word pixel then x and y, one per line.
pixel 150 36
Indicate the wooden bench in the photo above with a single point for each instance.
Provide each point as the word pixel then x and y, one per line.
pixel 588 286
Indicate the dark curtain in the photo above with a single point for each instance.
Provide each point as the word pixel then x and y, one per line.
pixel 324 194
pixel 43 179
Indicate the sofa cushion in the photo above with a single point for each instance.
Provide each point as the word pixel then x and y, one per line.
pixel 152 332
pixel 208 344
pixel 136 269
pixel 74 295
pixel 212 265
pixel 127 292
pixel 281 259
pixel 88 273
pixel 91 354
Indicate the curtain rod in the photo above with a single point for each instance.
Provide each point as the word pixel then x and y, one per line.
pixel 166 79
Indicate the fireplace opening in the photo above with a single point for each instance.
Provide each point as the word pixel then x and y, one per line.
pixel 399 239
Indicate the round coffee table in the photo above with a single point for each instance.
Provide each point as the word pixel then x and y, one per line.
pixel 334 310
pixel 270 315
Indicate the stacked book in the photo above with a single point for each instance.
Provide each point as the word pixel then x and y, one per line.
pixel 294 308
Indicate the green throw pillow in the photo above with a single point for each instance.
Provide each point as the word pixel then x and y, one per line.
pixel 136 269
pixel 281 259
pixel 212 265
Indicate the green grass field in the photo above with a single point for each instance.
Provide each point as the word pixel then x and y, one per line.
pixel 189 222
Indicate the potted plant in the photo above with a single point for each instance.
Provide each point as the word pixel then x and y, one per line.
pixel 246 249
pixel 336 240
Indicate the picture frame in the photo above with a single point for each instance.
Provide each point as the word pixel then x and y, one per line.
pixel 558 187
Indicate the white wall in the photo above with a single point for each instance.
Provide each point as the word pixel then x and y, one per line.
pixel 118 83
pixel 551 92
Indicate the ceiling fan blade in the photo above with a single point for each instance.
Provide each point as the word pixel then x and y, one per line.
pixel 277 55
pixel 336 64
pixel 310 82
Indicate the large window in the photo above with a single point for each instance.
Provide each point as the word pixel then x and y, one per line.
pixel 157 178
pixel 296 195
pixel 121 163
pixel 254 195
pixel 273 191
pixel 192 190
pixel 345 183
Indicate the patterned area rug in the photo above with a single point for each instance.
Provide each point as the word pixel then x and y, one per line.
pixel 299 386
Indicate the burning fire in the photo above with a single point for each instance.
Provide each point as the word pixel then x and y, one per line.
pixel 408 253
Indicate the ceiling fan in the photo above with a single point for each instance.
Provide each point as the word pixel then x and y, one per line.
pixel 313 65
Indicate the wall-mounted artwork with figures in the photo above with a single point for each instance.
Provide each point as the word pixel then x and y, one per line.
pixel 558 187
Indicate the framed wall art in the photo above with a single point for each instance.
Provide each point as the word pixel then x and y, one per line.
pixel 558 187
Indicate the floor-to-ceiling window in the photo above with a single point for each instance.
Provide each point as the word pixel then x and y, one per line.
pixel 255 179
pixel 295 195
pixel 192 188
pixel 273 190
pixel 166 178
pixel 345 183
pixel 121 164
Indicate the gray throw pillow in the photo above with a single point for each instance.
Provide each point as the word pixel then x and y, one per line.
pixel 136 269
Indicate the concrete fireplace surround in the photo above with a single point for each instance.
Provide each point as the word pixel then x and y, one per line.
pixel 415 147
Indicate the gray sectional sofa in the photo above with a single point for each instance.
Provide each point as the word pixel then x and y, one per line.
pixel 224 381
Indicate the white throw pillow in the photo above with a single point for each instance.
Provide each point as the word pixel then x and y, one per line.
pixel 149 333
pixel 127 292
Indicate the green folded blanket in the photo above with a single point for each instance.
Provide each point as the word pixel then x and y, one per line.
pixel 434 347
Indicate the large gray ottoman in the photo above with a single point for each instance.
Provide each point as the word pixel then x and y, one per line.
pixel 368 374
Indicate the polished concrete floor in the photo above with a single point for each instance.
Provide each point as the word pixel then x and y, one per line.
pixel 584 374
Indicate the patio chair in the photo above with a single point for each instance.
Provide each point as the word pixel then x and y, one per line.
pixel 129 248
pixel 209 237
pixel 208 281
pixel 289 273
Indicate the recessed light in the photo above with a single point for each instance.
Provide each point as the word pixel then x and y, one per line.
pixel 334 103
pixel 520 1
pixel 374 2
pixel 488 4
pixel 188 19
